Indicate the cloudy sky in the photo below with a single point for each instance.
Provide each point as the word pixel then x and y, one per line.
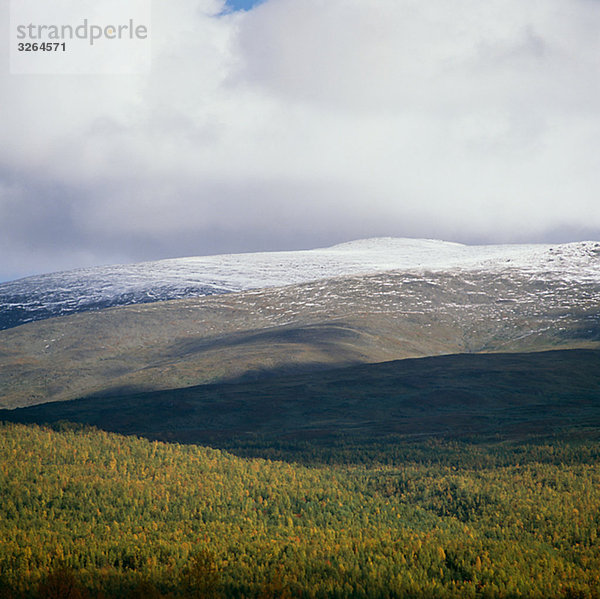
pixel 303 123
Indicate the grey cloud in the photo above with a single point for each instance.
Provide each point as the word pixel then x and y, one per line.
pixel 306 123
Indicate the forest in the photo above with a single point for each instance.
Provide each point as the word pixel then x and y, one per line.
pixel 86 513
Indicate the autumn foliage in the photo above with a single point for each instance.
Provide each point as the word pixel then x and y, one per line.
pixel 87 514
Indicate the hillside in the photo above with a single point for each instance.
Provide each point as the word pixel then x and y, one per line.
pixel 90 515
pixel 297 328
pixel 495 396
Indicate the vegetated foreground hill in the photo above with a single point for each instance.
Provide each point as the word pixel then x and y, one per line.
pixel 298 328
pixel 507 396
pixel 86 514
pixel 40 297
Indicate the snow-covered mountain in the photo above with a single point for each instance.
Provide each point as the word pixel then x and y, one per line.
pixel 363 302
pixel 44 296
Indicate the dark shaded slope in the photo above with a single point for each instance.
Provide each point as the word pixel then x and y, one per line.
pixel 458 396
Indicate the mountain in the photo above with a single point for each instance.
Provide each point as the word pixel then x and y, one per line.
pixel 430 415
pixel 459 299
pixel 44 296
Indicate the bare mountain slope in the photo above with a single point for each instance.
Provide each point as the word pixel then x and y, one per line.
pixel 332 322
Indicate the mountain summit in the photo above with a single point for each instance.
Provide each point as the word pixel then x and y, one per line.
pixel 44 296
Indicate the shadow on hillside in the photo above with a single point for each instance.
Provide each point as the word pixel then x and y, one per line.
pixel 466 396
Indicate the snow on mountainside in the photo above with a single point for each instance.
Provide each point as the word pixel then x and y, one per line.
pixel 38 297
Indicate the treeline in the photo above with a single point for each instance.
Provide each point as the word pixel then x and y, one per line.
pixel 88 514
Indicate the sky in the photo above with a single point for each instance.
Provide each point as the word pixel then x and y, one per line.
pixel 242 4
pixel 303 123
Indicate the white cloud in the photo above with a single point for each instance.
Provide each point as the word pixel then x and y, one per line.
pixel 301 122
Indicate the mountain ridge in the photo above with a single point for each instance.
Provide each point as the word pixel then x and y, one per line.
pixel 66 292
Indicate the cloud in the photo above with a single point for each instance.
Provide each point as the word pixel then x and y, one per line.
pixel 305 123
